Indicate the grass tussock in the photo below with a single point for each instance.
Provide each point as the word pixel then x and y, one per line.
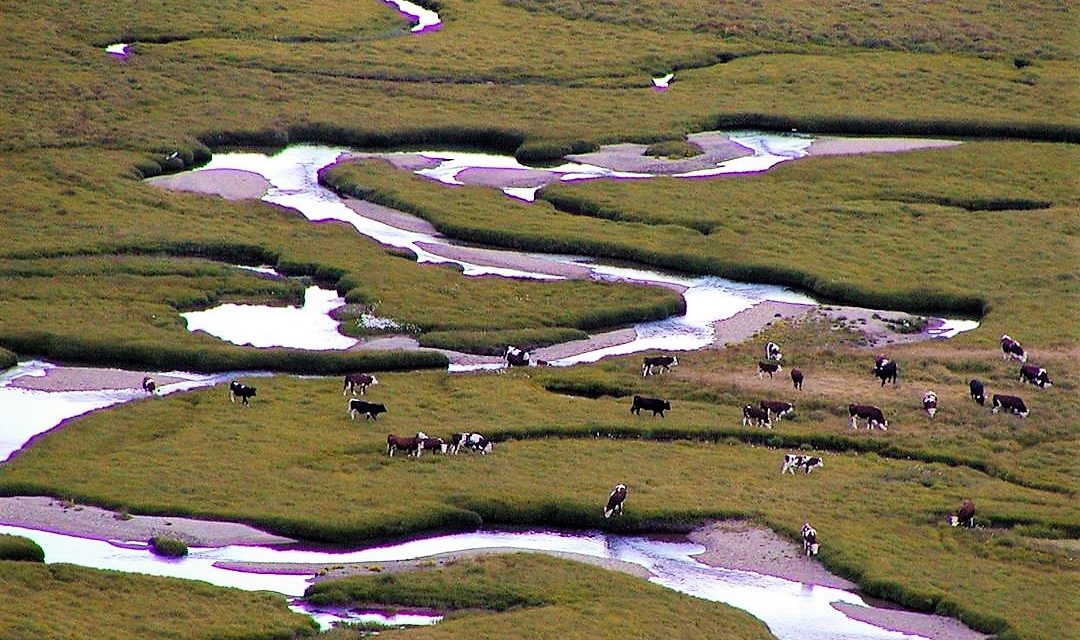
pixel 19 549
pixel 168 547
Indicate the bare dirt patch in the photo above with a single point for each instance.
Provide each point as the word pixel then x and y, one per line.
pixel 231 184
pixel 830 146
pixel 88 379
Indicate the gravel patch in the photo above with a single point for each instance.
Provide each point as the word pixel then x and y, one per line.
pixel 87 379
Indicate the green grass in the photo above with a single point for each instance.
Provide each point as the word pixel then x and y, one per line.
pixel 20 549
pixel 542 597
pixel 673 149
pixel 61 601
pixel 169 547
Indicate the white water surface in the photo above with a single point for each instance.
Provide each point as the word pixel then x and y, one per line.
pixel 426 19
pixel 663 82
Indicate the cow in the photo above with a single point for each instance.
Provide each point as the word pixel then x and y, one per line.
pixel 473 441
pixel 777 408
pixel 615 501
pixel 369 410
pixel 1012 348
pixel 809 540
pixel 929 403
pixel 978 392
pixel 797 378
pixel 965 514
pixel 358 380
pixel 1012 404
pixel 148 385
pixel 792 462
pixel 752 414
pixel 772 352
pixel 412 444
pixel 427 443
pixel 870 413
pixel 650 364
pixel 768 367
pixel 242 391
pixel 656 405
pixel 1036 375
pixel 516 357
pixel 886 370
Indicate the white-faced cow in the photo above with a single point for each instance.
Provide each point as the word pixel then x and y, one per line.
pixel 965 514
pixel 809 540
pixel 656 405
pixel 770 368
pixel 886 370
pixel 978 391
pixel 1011 349
pixel 929 403
pixel 148 385
pixel 242 391
pixel 615 501
pixel 777 408
pixel 792 462
pixel 1036 375
pixel 870 413
pixel 473 441
pixel 427 443
pixel 797 378
pixel 1012 404
pixel 772 352
pixel 410 444
pixel 354 381
pixel 516 357
pixel 369 410
pixel 657 364
pixel 755 415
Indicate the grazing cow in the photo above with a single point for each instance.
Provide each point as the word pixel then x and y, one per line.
pixel 965 514
pixel 615 501
pixel 367 409
pixel 929 403
pixel 768 367
pixel 1012 348
pixel 1036 375
pixel 757 415
pixel 792 462
pixel 978 392
pixel 1012 404
pixel 651 364
pixel 797 378
pixel 411 444
pixel 777 408
pixel 886 370
pixel 355 380
pixel 242 391
pixel 516 357
pixel 809 540
pixel 772 352
pixel 656 405
pixel 870 413
pixel 427 443
pixel 148 385
pixel 473 441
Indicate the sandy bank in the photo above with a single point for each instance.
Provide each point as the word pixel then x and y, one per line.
pixel 231 184
pixel 506 260
pixel 829 146
pixel 747 322
pixel 716 147
pixel 391 217
pixel 88 379
pixel 936 627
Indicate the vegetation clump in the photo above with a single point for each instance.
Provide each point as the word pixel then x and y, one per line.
pixel 168 546
pixel 20 549
pixel 674 149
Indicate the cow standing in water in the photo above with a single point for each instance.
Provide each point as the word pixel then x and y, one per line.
pixel 615 501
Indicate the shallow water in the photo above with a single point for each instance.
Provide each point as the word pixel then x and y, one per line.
pixel 793 610
pixel 426 19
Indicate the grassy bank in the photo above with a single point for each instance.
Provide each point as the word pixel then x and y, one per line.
pixel 17 548
pixel 541 597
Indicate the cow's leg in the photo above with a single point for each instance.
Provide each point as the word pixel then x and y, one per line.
pixel 854 425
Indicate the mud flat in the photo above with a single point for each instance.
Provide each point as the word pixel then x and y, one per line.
pixel 89 379
pixel 231 184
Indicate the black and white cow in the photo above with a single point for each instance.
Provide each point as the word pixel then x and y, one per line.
pixel 656 405
pixel 1012 404
pixel 427 443
pixel 978 391
pixel 770 368
pixel 615 501
pixel 1036 375
pixel 777 408
pixel 965 514
pixel 657 364
pixel 473 441
pixel 886 370
pixel 242 391
pixel 516 357
pixel 792 462
pixel 756 415
pixel 369 410
pixel 870 413
pixel 797 378
pixel 353 381
pixel 148 385
pixel 1011 348
pixel 809 540
pixel 929 403
pixel 772 352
